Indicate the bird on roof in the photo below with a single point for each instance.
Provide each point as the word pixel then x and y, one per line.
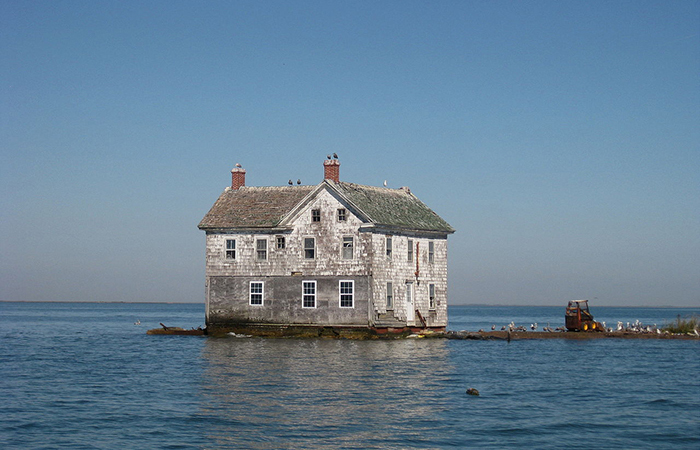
pixel 290 182
pixel 384 183
pixel 238 165
pixel 335 156
pixel 328 156
pixel 298 181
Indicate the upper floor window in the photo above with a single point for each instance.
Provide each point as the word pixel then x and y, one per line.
pixel 309 248
pixel 342 215
pixel 315 215
pixel 431 251
pixel 389 295
pixel 230 249
pixel 410 250
pixel 347 293
pixel 389 247
pixel 261 247
pixel 348 243
pixel 308 295
pixel 431 296
pixel 257 289
pixel 281 242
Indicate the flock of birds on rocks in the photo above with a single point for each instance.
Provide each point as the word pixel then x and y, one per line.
pixel 533 327
pixel 622 327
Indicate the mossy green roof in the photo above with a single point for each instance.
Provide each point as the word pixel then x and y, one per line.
pixel 395 208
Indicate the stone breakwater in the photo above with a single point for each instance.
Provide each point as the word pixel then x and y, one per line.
pixel 364 334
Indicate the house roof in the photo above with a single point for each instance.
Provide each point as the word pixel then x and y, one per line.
pixel 394 208
pixel 253 207
pixel 266 207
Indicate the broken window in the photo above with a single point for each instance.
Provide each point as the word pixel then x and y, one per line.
pixel 261 247
pixel 348 243
pixel 230 249
pixel 309 248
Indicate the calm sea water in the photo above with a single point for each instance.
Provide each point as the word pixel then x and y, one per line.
pixel 84 376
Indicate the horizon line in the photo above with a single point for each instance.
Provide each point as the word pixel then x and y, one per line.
pixel 457 304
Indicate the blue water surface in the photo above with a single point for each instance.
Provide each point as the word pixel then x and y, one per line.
pixel 84 376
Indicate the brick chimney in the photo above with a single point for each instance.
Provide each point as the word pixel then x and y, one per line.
pixel 331 170
pixel 237 177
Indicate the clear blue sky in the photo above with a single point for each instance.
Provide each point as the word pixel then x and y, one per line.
pixel 560 138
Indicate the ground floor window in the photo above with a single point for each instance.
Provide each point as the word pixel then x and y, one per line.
pixel 308 296
pixel 347 293
pixel 431 298
pixel 257 289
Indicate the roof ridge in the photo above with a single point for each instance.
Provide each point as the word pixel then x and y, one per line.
pixel 378 188
pixel 247 188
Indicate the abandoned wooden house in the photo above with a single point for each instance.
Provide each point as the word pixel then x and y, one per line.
pixel 337 258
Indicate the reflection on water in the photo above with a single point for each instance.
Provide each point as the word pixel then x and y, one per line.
pixel 323 393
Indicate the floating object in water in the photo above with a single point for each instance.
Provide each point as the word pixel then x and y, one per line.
pixel 472 391
pixel 138 322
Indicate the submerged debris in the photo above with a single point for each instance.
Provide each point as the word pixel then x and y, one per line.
pixel 472 391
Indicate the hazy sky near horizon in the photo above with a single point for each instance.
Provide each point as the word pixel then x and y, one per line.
pixel 560 138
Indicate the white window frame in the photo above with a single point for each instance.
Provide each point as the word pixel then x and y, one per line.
pixel 389 295
pixel 261 293
pixel 343 253
pixel 304 293
pixel 431 296
pixel 313 249
pixel 258 250
pixel 350 294
pixel 227 249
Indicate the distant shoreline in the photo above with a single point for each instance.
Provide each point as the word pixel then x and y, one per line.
pixel 470 304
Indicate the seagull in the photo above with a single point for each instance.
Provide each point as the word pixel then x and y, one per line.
pixel 384 183
pixel 298 181
pixel 138 322
pixel 290 182
pixel 335 156
pixel 533 326
pixel 238 165
pixel 328 156
pixel 493 327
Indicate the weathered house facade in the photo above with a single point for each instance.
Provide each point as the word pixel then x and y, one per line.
pixel 336 257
